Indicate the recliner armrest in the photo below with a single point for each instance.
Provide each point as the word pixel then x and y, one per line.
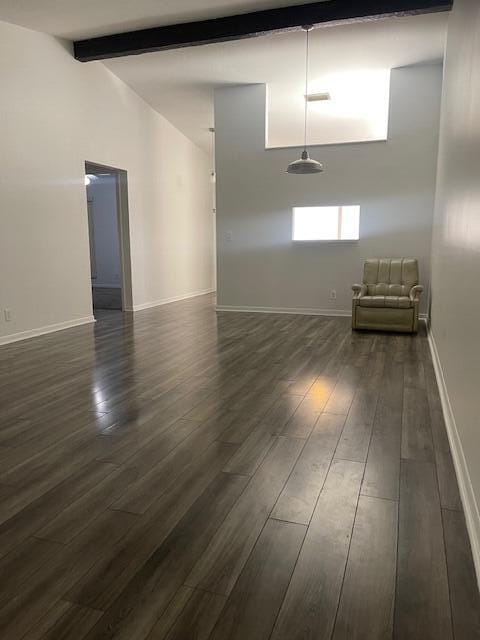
pixel 359 290
pixel 415 292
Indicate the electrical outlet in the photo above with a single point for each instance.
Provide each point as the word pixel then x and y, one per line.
pixel 228 236
pixel 7 314
pixel 333 294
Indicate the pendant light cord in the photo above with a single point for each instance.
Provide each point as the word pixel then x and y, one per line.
pixel 307 29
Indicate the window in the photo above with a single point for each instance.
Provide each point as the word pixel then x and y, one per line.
pixel 326 223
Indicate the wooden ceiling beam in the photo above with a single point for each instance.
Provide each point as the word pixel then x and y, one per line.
pixel 249 25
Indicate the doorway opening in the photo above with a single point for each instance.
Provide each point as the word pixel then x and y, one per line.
pixel 108 228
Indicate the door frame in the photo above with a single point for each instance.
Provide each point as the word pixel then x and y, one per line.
pixel 123 225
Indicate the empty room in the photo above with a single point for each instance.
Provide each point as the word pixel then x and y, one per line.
pixel 239 302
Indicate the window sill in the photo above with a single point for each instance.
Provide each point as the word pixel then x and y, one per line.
pixel 325 241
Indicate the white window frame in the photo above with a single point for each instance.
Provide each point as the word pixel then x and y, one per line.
pixel 337 240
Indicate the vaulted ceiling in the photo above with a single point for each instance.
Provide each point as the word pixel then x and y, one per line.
pixel 180 83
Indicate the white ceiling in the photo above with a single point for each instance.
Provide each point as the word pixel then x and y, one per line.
pixel 78 19
pixel 180 83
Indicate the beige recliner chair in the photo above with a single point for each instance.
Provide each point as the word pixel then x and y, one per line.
pixel 389 297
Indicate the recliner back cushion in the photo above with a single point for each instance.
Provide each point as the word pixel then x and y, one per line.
pixel 390 276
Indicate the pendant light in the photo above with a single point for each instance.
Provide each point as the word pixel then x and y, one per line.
pixel 305 164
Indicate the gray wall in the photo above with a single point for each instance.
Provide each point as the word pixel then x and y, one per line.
pixel 393 181
pixel 456 254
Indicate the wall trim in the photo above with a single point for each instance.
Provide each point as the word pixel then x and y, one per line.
pixel 158 303
pixel 290 310
pixel 344 313
pixel 49 328
pixel 467 494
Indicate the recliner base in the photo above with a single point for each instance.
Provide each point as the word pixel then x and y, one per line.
pixel 385 319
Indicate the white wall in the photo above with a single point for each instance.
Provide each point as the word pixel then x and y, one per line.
pixel 55 114
pixel 456 254
pixel 393 181
pixel 102 193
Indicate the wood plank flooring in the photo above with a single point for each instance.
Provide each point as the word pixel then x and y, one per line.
pixel 179 474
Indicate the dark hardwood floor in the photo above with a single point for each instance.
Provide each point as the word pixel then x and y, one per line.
pixel 183 474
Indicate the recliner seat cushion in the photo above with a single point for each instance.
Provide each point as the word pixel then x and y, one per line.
pixel 387 289
pixel 382 301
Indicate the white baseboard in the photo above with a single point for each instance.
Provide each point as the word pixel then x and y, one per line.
pixel 344 313
pixel 289 310
pixel 158 303
pixel 49 328
pixel 467 494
